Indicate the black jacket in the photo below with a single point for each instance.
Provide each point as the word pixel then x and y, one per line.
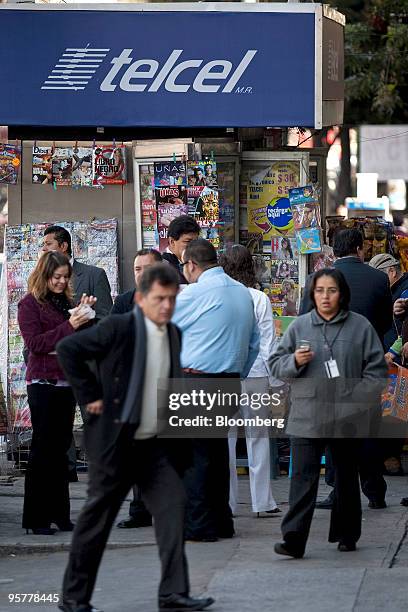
pixel 370 293
pixel 124 302
pixel 111 345
pixel 92 281
pixel 174 262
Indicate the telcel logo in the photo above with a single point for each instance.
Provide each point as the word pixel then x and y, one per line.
pixel 145 69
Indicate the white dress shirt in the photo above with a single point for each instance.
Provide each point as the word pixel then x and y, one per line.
pixel 157 367
pixel 264 319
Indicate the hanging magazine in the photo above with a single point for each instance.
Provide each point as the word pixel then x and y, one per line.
pixel 10 161
pixel 62 166
pixel 42 165
pixel 82 167
pixel 169 173
pixel 109 165
pixel 202 173
pixel 165 214
pixel 175 195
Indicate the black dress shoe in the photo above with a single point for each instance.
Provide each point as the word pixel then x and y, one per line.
pixel 65 525
pixel 72 606
pixel 41 530
pixel 281 548
pixel 346 546
pixel 144 520
pixel 377 505
pixel 179 603
pixel 404 501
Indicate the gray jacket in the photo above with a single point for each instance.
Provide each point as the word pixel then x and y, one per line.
pixel 346 406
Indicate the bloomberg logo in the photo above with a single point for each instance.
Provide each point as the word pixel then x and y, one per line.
pixel 169 75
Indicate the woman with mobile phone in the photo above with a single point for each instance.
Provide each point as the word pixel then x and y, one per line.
pixel 335 363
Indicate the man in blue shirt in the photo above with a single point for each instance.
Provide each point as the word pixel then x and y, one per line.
pixel 220 340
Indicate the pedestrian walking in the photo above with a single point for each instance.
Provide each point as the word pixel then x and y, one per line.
pixel 335 396
pixel 132 351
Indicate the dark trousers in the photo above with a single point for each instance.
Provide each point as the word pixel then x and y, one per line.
pixel 345 522
pixel 370 467
pixel 136 506
pixel 146 464
pixel 208 513
pixel 46 491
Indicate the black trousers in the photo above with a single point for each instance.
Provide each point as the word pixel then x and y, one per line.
pixel 146 464
pixel 345 522
pixel 46 491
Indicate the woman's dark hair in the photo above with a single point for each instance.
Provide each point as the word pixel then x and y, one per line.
pixel 238 264
pixel 340 281
pixel 287 246
pixel 44 270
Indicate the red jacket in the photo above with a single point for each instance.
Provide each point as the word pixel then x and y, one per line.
pixel 42 327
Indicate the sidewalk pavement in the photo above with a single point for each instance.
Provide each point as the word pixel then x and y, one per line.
pixel 243 573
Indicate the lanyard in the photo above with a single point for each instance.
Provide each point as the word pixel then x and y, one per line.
pixel 329 345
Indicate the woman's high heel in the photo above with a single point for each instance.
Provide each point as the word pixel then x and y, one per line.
pixel 41 530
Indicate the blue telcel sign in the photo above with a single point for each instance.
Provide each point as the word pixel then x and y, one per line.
pixel 157 68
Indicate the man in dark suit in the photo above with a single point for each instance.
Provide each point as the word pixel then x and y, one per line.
pixel 370 297
pixel 86 279
pixel 182 230
pixel 139 516
pixel 133 352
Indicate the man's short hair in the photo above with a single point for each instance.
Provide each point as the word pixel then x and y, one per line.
pixel 61 235
pixel 184 224
pixel 161 273
pixel 201 252
pixel 155 254
pixel 346 242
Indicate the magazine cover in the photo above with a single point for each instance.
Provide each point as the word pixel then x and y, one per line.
pixel 202 173
pixel 169 173
pixel 282 324
pixel 306 215
pixel 309 241
pixel 254 242
pixel 10 161
pixel 204 207
pixel 82 167
pixel 175 195
pixel 302 195
pixel 109 165
pixel 62 166
pixel 284 268
pixel 166 212
pixel 284 247
pixel 42 165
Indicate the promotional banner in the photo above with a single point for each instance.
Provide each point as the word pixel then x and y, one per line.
pixel 86 74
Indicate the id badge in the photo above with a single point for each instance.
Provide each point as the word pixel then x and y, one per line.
pixel 332 370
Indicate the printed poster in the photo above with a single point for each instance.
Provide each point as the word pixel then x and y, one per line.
pixel 149 224
pixel 109 165
pixel 284 247
pixel 10 161
pixel 166 212
pixel 42 165
pixel 169 173
pixel 269 209
pixel 202 173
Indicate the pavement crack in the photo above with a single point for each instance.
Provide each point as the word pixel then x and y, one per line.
pixel 360 586
pixel 399 546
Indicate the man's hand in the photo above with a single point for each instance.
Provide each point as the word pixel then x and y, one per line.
pixel 400 306
pixel 95 407
pixel 303 357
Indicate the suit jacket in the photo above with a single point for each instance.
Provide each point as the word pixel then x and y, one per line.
pixel 174 262
pixel 111 344
pixel 370 293
pixel 124 302
pixel 92 281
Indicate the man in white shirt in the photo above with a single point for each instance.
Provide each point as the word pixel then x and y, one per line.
pixel 133 351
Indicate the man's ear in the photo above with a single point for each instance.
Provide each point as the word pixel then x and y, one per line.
pixel 64 247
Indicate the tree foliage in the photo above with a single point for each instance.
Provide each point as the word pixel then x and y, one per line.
pixel 376 60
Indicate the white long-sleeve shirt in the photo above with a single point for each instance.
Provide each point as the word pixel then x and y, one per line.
pixel 264 319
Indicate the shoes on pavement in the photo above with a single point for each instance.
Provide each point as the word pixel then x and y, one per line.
pixel 377 505
pixel 326 504
pixel 180 603
pixel 65 526
pixel 203 539
pixel 72 606
pixel 41 530
pixel 404 501
pixel 141 520
pixel 281 548
pixel 267 513
pixel 72 476
pixel 346 546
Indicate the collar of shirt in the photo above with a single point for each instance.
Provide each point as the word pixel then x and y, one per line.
pixel 216 271
pixel 153 327
pixel 171 253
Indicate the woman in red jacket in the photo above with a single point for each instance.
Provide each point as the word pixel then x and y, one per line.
pixel 44 320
